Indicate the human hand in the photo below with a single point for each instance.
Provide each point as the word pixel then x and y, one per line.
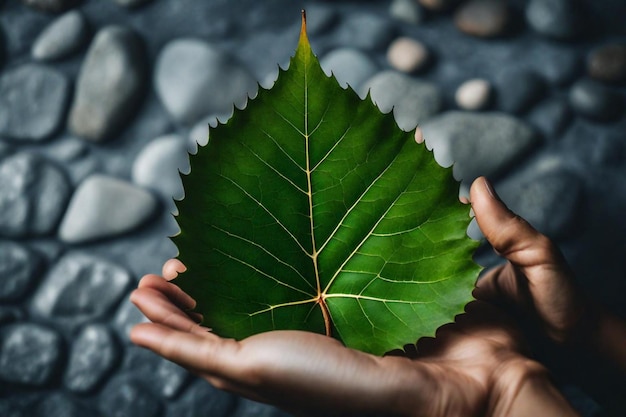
pixel 474 366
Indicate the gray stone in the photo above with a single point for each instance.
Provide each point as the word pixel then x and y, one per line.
pixel 19 267
pixel 408 55
pixel 518 90
pixel 350 66
pixel 33 101
pixel 595 101
pixel 483 18
pixel 103 207
pixel 93 354
pixel 124 397
pixel 158 164
pixel 194 79
pixel 53 6
pixel 61 405
pixel 550 117
pixel 30 354
pixel 407 11
pixel 33 195
pixel 478 143
pixel 608 63
pixel 10 315
pixel 591 147
pixel 131 3
pixel 413 101
pixel 110 84
pixel 201 400
pixel 61 38
pixel 473 94
pixel 164 377
pixel 249 408
pixel 320 18
pixel 364 31
pixel 558 19
pixel 126 317
pixel 80 288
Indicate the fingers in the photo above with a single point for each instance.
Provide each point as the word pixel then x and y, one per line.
pixel 172 268
pixel 158 308
pixel 172 291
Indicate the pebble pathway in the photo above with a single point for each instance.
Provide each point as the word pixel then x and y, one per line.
pixel 101 100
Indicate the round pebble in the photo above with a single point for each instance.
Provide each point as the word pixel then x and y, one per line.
pixel 473 94
pixel 364 31
pixel 518 90
pixel 608 63
pixel 557 19
pixel 593 100
pixel 407 11
pixel 482 18
pixel 550 117
pixel 18 269
pixel 350 66
pixel 407 55
pixel 64 36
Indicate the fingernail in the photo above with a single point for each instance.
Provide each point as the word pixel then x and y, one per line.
pixel 491 190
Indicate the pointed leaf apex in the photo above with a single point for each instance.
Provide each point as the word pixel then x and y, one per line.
pixel 304 40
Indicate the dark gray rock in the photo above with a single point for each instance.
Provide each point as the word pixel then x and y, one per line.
pixel 131 3
pixel 608 63
pixel 124 397
pixel 557 65
pixel 103 207
pixel 195 79
pixel 438 5
pixel 407 11
pixel 33 101
pixel 110 85
pixel 201 400
pixel 320 18
pixel 19 267
pixel 164 377
pixel 30 354
pixel 364 31
pixel 126 317
pixel 483 18
pixel 53 6
pixel 10 315
pixel 413 101
pixel 590 147
pixel 350 66
pixel 61 38
pixel 594 101
pixel 94 353
pixel 61 405
pixel 550 117
pixel 33 195
pixel 478 143
pixel 249 408
pixel 80 288
pixel 518 90
pixel 558 19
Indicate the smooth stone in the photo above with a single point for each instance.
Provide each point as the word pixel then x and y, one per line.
pixel 130 398
pixel 407 55
pixel 93 354
pixel 61 38
pixel 350 66
pixel 587 146
pixel 518 90
pixel 438 5
pixel 163 376
pixel 412 101
pixel 125 318
pixel 557 19
pixel 407 11
pixel 102 207
pixel 364 31
pixel 473 94
pixel 110 85
pixel 80 288
pixel 549 200
pixel 557 65
pixel 59 404
pixel 33 195
pixel 595 101
pixel 478 143
pixel 67 149
pixel 53 6
pixel 131 3
pixel 33 101
pixel 551 117
pixel 30 354
pixel 608 63
pixel 482 18
pixel 202 399
pixel 194 78
pixel 19 267
pixel 159 164
pixel 246 408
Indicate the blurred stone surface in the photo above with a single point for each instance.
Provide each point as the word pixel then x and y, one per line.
pixel 413 101
pixel 249 408
pixel 33 101
pixel 110 85
pixel 132 3
pixel 364 31
pixel 407 11
pixel 438 5
pixel 201 400
pixel 483 18
pixel 407 54
pixel 558 19
pixel 124 397
pixel 593 100
pixel 518 90
pixel 550 117
pixel 473 94
pixel 53 6
pixel 30 354
pixel 164 377
pixel 61 405
pixel 63 37
pixel 350 66
pixel 19 267
pixel 608 63
pixel 125 318
pixel 194 79
pixel 104 206
pixel 80 288
pixel 33 195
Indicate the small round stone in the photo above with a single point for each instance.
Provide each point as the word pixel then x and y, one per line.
pixel 557 19
pixel 473 94
pixel 406 11
pixel 482 18
pixel 608 63
pixel 62 37
pixel 350 66
pixel 407 55
pixel 594 101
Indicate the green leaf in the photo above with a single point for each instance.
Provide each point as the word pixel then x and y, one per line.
pixel 311 210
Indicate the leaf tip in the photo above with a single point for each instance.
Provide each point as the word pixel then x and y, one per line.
pixel 303 35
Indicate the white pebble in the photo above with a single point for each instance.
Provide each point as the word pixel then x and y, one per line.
pixel 473 94
pixel 407 54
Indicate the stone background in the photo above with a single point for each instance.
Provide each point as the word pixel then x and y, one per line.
pixel 100 101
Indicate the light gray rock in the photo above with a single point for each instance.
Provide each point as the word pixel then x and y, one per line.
pixel 194 78
pixel 199 133
pixel 407 11
pixel 558 19
pixel 80 288
pixel 364 31
pixel 30 354
pixel 158 164
pixel 413 101
pixel 126 317
pixel 33 195
pixel 19 267
pixel 478 143
pixel 93 354
pixel 33 102
pixel 103 207
pixel 64 36
pixel 110 84
pixel 350 66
